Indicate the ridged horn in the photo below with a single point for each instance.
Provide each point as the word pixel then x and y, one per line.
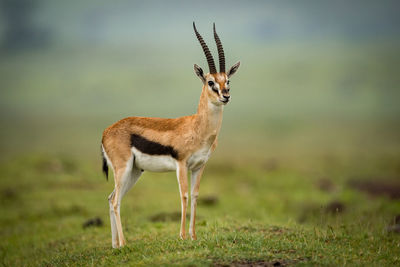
pixel 210 59
pixel 221 56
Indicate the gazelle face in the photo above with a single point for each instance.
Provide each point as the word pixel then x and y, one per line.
pixel 217 84
pixel 218 88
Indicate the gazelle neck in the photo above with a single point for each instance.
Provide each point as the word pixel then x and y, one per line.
pixel 209 115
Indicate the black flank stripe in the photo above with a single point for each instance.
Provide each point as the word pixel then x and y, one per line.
pixel 152 148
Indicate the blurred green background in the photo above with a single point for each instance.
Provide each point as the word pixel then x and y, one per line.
pixel 314 119
pixel 314 76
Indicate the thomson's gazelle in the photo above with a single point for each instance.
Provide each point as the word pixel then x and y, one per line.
pixel 136 144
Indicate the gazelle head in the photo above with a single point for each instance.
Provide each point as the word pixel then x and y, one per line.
pixel 216 83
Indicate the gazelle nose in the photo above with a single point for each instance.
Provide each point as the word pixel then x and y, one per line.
pixel 226 96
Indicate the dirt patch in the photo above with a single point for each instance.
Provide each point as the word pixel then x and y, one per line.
pixel 208 200
pixel 325 184
pixel 394 228
pixel 174 216
pixel 378 187
pixel 9 193
pixel 93 222
pixel 257 263
pixel 397 219
pixel 335 207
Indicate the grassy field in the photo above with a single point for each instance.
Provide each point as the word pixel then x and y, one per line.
pixel 265 212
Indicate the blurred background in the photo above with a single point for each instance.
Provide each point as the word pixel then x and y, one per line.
pixel 316 77
pixel 311 137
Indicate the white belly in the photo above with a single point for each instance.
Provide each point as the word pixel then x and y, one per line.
pixel 154 163
pixel 199 158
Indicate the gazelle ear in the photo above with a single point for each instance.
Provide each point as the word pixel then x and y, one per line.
pixel 233 69
pixel 199 72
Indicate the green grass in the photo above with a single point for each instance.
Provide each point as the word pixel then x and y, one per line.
pixel 265 212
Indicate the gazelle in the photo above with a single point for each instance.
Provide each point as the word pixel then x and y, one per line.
pixel 136 144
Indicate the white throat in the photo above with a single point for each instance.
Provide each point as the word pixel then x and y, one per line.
pixel 214 116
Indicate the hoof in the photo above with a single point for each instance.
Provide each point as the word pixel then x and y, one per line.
pixel 183 236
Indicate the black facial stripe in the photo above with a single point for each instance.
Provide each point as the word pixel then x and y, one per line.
pixel 215 90
pixel 152 148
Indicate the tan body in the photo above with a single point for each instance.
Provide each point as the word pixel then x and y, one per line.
pixel 136 144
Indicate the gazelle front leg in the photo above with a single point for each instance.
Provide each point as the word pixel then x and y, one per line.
pixel 194 193
pixel 181 173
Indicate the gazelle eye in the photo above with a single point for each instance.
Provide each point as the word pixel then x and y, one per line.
pixel 211 83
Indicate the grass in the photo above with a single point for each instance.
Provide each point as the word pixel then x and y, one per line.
pixel 262 213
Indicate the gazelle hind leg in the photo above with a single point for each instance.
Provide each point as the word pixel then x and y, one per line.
pixel 126 179
pixel 119 178
pixel 114 232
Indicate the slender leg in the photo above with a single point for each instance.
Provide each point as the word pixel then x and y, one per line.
pixel 127 179
pixel 181 172
pixel 114 232
pixel 194 193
